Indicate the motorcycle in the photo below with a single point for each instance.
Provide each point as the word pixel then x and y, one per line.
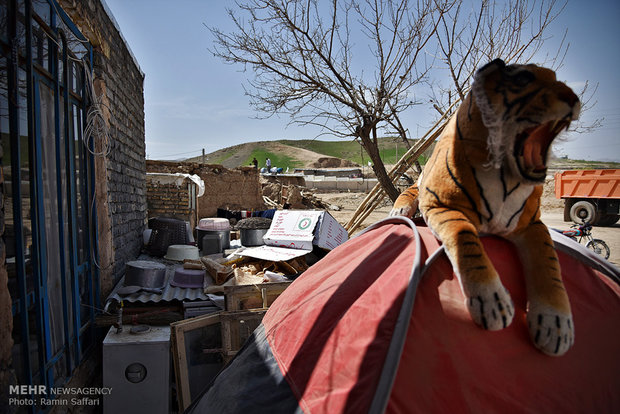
pixel 583 232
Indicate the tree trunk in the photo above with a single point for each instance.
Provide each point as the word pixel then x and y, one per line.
pixel 377 165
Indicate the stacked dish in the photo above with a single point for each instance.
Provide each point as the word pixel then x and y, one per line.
pixel 214 223
pixel 187 278
pixel 180 252
pixel 218 230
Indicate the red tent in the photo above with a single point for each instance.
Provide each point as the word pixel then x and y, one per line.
pixel 380 325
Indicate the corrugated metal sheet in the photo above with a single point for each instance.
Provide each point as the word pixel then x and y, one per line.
pixel 169 294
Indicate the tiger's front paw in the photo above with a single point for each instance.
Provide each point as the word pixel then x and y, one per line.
pixel 491 306
pixel 551 331
pixel 401 211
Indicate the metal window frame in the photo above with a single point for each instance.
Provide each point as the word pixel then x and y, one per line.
pixel 79 333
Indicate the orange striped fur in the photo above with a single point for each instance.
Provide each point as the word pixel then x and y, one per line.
pixel 407 203
pixel 485 176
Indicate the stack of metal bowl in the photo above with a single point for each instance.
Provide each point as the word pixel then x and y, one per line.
pixel 252 230
pixel 213 235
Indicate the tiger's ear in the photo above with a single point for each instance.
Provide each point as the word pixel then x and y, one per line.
pixel 490 67
pixel 489 118
pixel 481 76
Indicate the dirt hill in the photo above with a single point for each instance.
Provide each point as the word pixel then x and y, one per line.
pixel 333 154
pixel 242 154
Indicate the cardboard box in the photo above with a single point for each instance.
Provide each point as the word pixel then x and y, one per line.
pixel 301 229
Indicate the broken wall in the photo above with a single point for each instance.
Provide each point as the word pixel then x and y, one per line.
pixel 171 199
pixel 233 189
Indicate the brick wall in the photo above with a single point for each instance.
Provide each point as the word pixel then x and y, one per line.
pixel 235 189
pixel 166 199
pixel 121 187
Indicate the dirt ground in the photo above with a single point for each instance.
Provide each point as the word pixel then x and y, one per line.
pixel 552 215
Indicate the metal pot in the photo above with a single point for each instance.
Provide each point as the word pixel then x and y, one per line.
pixel 252 237
pixel 224 236
pixel 145 274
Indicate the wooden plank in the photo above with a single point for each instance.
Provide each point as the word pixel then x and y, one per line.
pixel 178 330
pixel 236 327
pixel 196 322
pixel 254 296
pixel 180 369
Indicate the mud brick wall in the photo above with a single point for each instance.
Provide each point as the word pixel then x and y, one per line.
pixel 121 182
pixel 234 189
pixel 170 200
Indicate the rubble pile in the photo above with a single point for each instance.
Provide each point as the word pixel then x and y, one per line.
pixel 333 162
pixel 291 196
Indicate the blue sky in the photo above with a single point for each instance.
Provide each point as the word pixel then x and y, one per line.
pixel 195 101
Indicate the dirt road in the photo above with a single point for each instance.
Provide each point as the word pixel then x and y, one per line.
pixel 552 216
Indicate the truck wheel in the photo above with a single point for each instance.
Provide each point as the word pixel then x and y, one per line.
pixel 583 211
pixel 568 203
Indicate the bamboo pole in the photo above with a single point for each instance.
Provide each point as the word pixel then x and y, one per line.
pixel 372 201
pixel 377 194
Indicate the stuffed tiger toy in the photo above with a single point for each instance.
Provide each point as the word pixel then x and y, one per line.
pixel 484 177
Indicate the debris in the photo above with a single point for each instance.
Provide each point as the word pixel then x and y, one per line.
pixel 294 197
pixel 253 223
pixel 280 196
pixel 270 202
pixel 195 264
pixel 248 276
pixel 218 272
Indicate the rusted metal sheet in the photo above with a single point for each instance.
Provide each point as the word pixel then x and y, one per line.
pixel 169 293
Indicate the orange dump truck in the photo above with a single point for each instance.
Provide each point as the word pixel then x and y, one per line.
pixel 589 195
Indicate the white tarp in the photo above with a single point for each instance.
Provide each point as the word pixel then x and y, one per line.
pixel 273 253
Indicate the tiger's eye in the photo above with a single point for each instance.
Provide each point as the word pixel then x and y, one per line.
pixel 523 78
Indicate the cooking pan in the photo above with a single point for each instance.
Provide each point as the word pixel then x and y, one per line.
pixel 145 274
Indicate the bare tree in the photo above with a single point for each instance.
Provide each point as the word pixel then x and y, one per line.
pixel 469 38
pixel 513 31
pixel 306 63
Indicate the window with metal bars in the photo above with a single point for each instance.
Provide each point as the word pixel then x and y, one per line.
pixel 47 216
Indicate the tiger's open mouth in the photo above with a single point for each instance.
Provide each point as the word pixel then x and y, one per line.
pixel 532 147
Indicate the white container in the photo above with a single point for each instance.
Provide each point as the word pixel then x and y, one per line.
pixel 215 223
pixel 180 252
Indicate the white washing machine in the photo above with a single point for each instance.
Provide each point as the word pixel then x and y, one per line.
pixel 136 365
